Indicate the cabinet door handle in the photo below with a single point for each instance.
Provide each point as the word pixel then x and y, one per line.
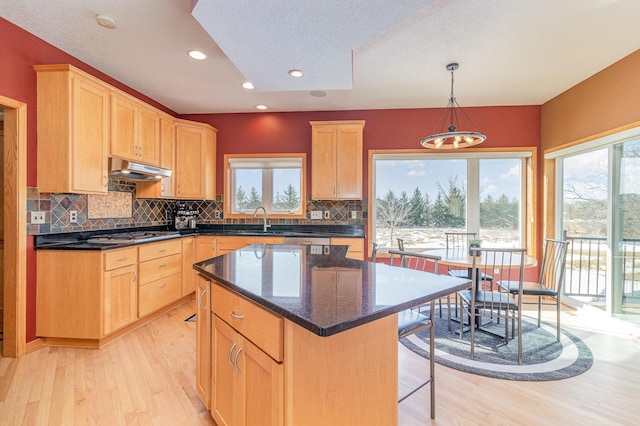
pixel 229 354
pixel 204 308
pixel 135 275
pixel 235 360
pixel 234 315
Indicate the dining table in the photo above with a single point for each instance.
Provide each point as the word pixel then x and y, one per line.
pixel 459 257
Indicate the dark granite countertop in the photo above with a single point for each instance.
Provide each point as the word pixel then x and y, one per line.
pixel 78 240
pixel 319 289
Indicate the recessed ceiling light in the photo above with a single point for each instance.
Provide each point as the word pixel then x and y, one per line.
pixel 106 21
pixel 261 107
pixel 248 85
pixel 196 54
pixel 318 93
pixel 296 73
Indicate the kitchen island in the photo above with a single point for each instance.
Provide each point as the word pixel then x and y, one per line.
pixel 302 335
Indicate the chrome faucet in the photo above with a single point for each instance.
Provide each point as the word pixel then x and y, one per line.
pixel 264 218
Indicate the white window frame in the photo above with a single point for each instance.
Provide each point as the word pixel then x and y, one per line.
pixel 472 188
pixel 266 162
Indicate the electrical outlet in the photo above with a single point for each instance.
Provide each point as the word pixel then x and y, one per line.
pixel 354 215
pixel 216 214
pixel 326 214
pixel 316 214
pixel 73 216
pixel 316 249
pixel 37 217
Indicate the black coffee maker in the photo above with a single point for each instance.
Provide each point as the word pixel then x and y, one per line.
pixel 184 217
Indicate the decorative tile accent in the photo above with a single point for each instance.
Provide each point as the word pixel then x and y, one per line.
pixel 113 204
pixel 157 212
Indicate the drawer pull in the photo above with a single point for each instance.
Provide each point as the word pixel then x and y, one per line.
pixel 229 354
pixel 162 265
pixel 235 360
pixel 121 259
pixel 162 250
pixel 204 308
pixel 162 285
pixel 234 315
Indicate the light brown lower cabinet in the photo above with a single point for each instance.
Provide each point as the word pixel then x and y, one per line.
pixel 248 385
pixel 120 298
pixel 85 294
pixel 267 370
pixel 84 297
pixel 203 339
pixel 188 259
pixel 229 244
pixel 356 246
pixel 160 271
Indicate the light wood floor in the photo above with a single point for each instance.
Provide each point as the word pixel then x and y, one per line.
pixel 147 377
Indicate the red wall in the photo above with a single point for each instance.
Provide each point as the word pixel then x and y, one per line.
pixel 19 52
pixel 247 133
pixel 384 129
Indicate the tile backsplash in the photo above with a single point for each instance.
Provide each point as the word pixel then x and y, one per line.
pixel 156 212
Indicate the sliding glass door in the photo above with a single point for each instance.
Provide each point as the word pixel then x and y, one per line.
pixel 600 215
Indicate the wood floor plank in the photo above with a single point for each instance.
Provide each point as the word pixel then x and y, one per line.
pixel 147 377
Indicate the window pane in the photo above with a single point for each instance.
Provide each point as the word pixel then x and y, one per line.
pixel 630 190
pixel 286 190
pixel 500 202
pixel 248 189
pixel 287 276
pixel 419 200
pixel 585 192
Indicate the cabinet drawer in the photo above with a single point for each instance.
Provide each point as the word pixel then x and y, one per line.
pixel 162 248
pixel 118 258
pixel 155 269
pixel 159 293
pixel 263 328
pixel 227 244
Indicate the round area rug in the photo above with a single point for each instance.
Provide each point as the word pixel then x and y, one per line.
pixel 544 358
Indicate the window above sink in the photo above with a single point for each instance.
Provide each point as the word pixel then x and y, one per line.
pixel 275 182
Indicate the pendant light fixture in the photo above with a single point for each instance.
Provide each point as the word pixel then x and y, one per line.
pixel 452 138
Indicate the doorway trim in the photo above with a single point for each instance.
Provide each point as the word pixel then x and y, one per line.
pixel 15 227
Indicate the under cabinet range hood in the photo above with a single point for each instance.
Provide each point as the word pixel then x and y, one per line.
pixel 136 172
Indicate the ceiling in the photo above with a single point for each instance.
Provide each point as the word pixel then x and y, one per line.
pixel 364 54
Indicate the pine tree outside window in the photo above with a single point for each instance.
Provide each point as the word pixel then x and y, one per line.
pixel 275 183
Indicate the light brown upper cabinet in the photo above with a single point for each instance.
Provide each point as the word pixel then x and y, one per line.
pixel 73 131
pixel 195 170
pixel 336 160
pixel 135 130
pixel 166 187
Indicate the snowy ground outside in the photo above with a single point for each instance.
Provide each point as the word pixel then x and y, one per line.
pixel 434 238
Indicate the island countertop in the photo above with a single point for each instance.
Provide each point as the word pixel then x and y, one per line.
pixel 320 289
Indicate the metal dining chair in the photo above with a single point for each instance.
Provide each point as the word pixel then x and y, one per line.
pixel 460 241
pixel 401 248
pixel 411 321
pixel 500 301
pixel 550 281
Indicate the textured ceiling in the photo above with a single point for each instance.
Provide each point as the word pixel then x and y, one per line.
pixel 364 55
